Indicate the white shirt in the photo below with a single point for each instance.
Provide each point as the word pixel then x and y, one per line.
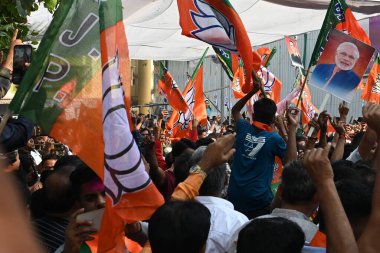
pixel 354 156
pixel 299 218
pixel 36 156
pixel 224 222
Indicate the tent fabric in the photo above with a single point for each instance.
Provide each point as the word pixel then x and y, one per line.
pixel 153 30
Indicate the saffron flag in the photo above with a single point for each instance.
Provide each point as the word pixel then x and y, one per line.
pixel 169 86
pixel 237 82
pixel 272 85
pixel 340 17
pixel 180 122
pixel 264 53
pixel 62 92
pixel 371 92
pixel 131 195
pixel 229 61
pixel 218 24
pixel 306 106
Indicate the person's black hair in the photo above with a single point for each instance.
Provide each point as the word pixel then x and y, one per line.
pixel 356 198
pixel 50 156
pixel 204 142
pixel 178 148
pixel 189 143
pixel 179 226
pixel 271 235
pixel 200 130
pixel 81 175
pixel 145 129
pixel 365 171
pixel 214 183
pixel 297 186
pixel 344 169
pixel 68 160
pixel 169 159
pixel 265 110
pixel 60 199
pixel 181 165
pixel 44 175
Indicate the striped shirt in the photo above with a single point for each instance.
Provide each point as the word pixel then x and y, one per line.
pixel 51 232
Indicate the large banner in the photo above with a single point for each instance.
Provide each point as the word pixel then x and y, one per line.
pixel 341 65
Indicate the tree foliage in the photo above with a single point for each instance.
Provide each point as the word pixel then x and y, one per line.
pixel 14 13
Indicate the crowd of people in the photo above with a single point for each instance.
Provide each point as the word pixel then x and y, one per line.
pixel 217 185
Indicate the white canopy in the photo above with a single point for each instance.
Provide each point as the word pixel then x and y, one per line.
pixel 153 29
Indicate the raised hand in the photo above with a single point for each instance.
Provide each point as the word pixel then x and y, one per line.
pixel 338 125
pixel 343 111
pixel 77 232
pixel 218 152
pixel 317 164
pixel 9 61
pixel 371 114
pixel 292 115
pixel 322 120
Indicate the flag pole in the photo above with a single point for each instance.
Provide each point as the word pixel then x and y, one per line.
pixel 258 80
pixel 303 86
pixel 321 108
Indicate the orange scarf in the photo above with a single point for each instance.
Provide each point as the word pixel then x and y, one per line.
pixel 262 126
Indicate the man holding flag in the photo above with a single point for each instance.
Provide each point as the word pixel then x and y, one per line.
pixel 256 147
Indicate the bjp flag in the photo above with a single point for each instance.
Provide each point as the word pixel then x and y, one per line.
pixel 179 123
pixel 371 92
pixel 237 82
pixel 218 24
pixel 170 88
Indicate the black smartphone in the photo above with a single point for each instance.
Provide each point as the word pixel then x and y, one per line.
pixel 22 56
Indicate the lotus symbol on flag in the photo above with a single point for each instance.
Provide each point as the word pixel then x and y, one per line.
pixel 174 84
pixel 376 86
pixel 213 27
pixel 185 117
pixel 268 78
pixel 122 158
pixel 236 86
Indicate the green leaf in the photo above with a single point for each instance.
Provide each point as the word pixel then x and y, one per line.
pixel 50 4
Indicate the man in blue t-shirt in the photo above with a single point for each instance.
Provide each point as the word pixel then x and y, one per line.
pixel 256 147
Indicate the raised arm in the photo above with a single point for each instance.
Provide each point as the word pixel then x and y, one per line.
pixel 369 241
pixel 7 67
pixel 322 122
pixel 156 173
pixel 217 153
pixel 241 103
pixel 340 238
pixel 291 147
pixel 341 133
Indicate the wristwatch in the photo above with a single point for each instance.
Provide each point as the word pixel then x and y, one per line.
pixel 196 169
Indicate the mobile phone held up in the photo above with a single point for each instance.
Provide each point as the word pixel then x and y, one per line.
pixel 22 56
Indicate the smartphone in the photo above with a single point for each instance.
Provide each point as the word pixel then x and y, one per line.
pixel 94 216
pixel 22 56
